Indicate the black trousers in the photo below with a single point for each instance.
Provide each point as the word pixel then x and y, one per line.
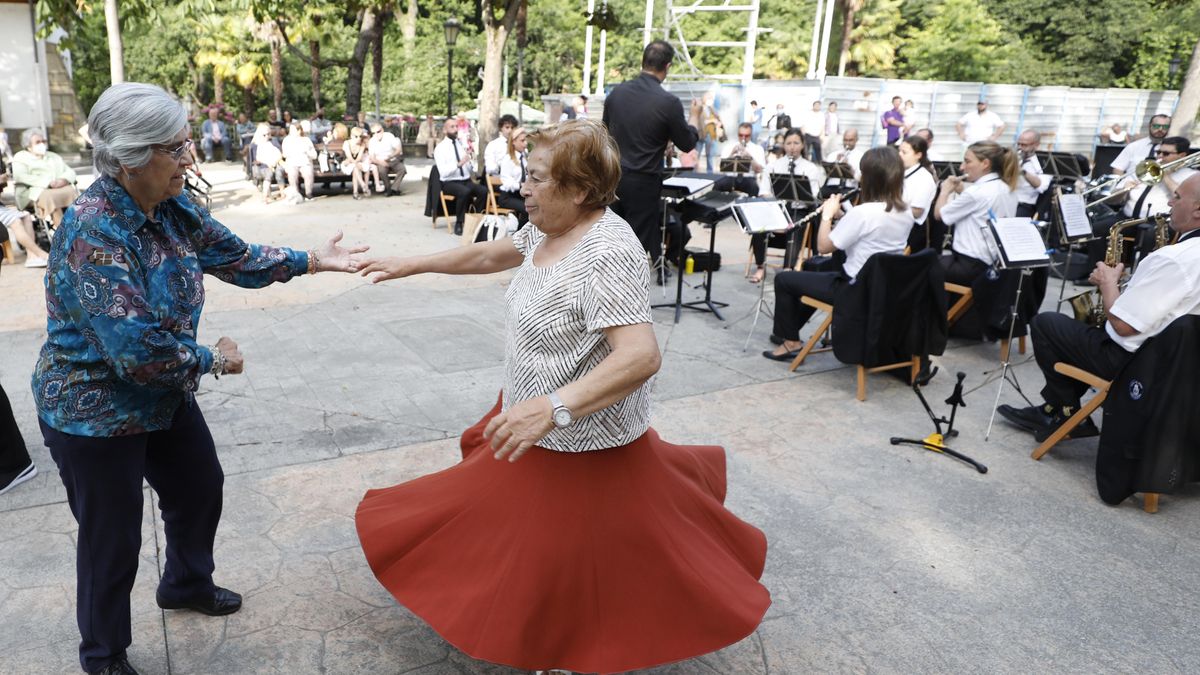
pixel 1058 337
pixel 103 478
pixel 638 203
pixel 964 270
pixel 14 457
pixel 467 193
pixel 790 313
pixel 744 184
pixel 759 241
pixel 1026 210
pixel 514 201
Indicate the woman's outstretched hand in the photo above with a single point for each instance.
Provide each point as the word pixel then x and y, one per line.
pixel 382 269
pixel 516 430
pixel 334 258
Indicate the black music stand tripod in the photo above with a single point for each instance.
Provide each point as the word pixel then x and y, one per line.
pixel 936 442
pixel 705 305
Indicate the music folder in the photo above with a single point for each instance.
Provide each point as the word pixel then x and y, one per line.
pixel 792 187
pixel 1072 213
pixel 683 186
pixel 762 215
pixel 943 170
pixel 1019 242
pixel 735 165
pixel 838 170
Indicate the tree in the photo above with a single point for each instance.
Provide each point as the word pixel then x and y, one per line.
pixel 961 42
pixel 116 50
pixel 1189 98
pixel 496 31
pixel 850 9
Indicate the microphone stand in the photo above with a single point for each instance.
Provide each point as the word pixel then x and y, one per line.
pixel 935 442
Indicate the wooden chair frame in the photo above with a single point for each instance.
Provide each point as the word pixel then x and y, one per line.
pixel 965 300
pixel 492 207
pixel 444 198
pixel 8 251
pixel 913 364
pixel 1150 501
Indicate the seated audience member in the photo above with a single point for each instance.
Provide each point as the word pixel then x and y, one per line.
pixel 278 127
pixel 1114 134
pixel 395 127
pixel 245 131
pixel 513 175
pixel 879 224
pixel 744 148
pixel 792 163
pixel 1164 287
pixel 498 147
pixel 319 126
pixel 298 156
pixel 266 161
pixel 920 186
pixel 386 152
pixel 20 230
pixel 427 133
pixel 453 160
pixel 358 163
pixel 5 148
pixel 212 134
pixel 987 186
pixel 42 178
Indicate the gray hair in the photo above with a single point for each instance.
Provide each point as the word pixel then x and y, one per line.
pixel 126 120
pixel 28 134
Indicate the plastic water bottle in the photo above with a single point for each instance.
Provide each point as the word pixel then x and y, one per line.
pixel 690 265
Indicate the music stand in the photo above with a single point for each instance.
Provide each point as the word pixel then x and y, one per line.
pixel 841 171
pixel 791 187
pixel 943 170
pixel 676 188
pixel 738 165
pixel 1073 226
pixel 762 216
pixel 1019 246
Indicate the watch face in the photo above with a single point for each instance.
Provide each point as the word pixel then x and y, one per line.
pixel 562 417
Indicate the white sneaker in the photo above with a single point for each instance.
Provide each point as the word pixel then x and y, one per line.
pixel 35 262
pixel 29 472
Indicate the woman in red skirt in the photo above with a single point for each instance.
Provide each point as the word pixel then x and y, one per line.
pixel 605 549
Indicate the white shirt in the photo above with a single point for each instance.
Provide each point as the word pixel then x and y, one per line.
pixel 851 157
pixel 803 167
pixel 813 123
pixel 298 151
pixel 383 146
pixel 555 321
pixel 1165 287
pixel 754 150
pixel 919 188
pixel 492 153
pixel 266 153
pixel 512 172
pixel 447 161
pixel 1026 193
pixel 968 213
pixel 1142 148
pixel 980 127
pixel 869 229
pixel 1118 136
pixel 1157 197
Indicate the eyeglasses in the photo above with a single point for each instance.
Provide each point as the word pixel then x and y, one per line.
pixel 1164 153
pixel 1160 126
pixel 176 153
pixel 743 135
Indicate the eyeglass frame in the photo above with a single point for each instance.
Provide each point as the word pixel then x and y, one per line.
pixel 1160 126
pixel 178 152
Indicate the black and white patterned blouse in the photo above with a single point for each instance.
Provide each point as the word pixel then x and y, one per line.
pixel 556 320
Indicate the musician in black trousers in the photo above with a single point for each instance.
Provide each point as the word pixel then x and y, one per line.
pixel 642 117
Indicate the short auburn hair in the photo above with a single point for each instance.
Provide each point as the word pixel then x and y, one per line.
pixel 583 159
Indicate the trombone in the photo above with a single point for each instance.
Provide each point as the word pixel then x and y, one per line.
pixel 1147 172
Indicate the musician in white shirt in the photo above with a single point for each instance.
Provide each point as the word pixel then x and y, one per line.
pixel 498 147
pixel 792 163
pixel 981 125
pixel 1142 148
pixel 1031 183
pixel 1148 200
pixel 919 188
pixel 850 153
pixel 453 160
pixel 990 171
pixel 512 175
pixel 744 147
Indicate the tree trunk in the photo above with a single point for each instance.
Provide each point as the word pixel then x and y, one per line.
pixel 1189 98
pixel 496 32
pixel 849 9
pixel 408 26
pixel 277 76
pixel 314 50
pixel 116 48
pixel 218 87
pixel 248 102
pixel 377 64
pixel 368 27
pixel 522 41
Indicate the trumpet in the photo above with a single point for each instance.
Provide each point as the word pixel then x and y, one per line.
pixel 1147 172
pixel 1088 306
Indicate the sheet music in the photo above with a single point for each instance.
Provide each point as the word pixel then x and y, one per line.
pixel 762 216
pixel 692 185
pixel 1074 216
pixel 1020 242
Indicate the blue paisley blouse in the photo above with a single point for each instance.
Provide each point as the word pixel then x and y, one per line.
pixel 123 297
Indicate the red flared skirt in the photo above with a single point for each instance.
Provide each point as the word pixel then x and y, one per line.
pixel 603 561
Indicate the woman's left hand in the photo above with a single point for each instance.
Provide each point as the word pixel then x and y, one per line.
pixel 334 258
pixel 513 432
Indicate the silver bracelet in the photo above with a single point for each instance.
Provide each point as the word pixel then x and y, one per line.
pixel 218 364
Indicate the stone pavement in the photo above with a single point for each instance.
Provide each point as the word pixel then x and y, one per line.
pixel 881 558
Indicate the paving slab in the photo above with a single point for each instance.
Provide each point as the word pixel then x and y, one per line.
pixel 881 558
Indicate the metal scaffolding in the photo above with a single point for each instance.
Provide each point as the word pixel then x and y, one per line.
pixel 674 30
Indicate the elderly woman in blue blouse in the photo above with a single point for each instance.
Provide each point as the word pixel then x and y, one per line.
pixel 115 381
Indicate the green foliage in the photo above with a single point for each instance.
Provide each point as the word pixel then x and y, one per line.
pixel 960 42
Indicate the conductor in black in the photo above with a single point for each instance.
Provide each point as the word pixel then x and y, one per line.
pixel 642 116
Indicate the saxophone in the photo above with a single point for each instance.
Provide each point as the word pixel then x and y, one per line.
pixel 1162 231
pixel 1088 306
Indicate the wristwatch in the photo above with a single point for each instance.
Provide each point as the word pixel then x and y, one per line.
pixel 562 414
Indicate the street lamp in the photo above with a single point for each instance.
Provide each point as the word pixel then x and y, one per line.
pixel 1173 70
pixel 452 27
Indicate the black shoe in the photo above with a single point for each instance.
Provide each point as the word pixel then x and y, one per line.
pixel 786 356
pixel 222 601
pixel 119 667
pixel 458 230
pixel 1038 419
pixel 10 480
pixel 925 374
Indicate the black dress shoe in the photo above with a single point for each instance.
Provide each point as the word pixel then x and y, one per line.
pixel 222 601
pixel 458 230
pixel 1034 418
pixel 119 667
pixel 786 356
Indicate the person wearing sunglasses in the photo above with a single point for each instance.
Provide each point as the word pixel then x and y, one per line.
pixel 744 148
pixel 1148 200
pixel 1144 147
pixel 115 382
